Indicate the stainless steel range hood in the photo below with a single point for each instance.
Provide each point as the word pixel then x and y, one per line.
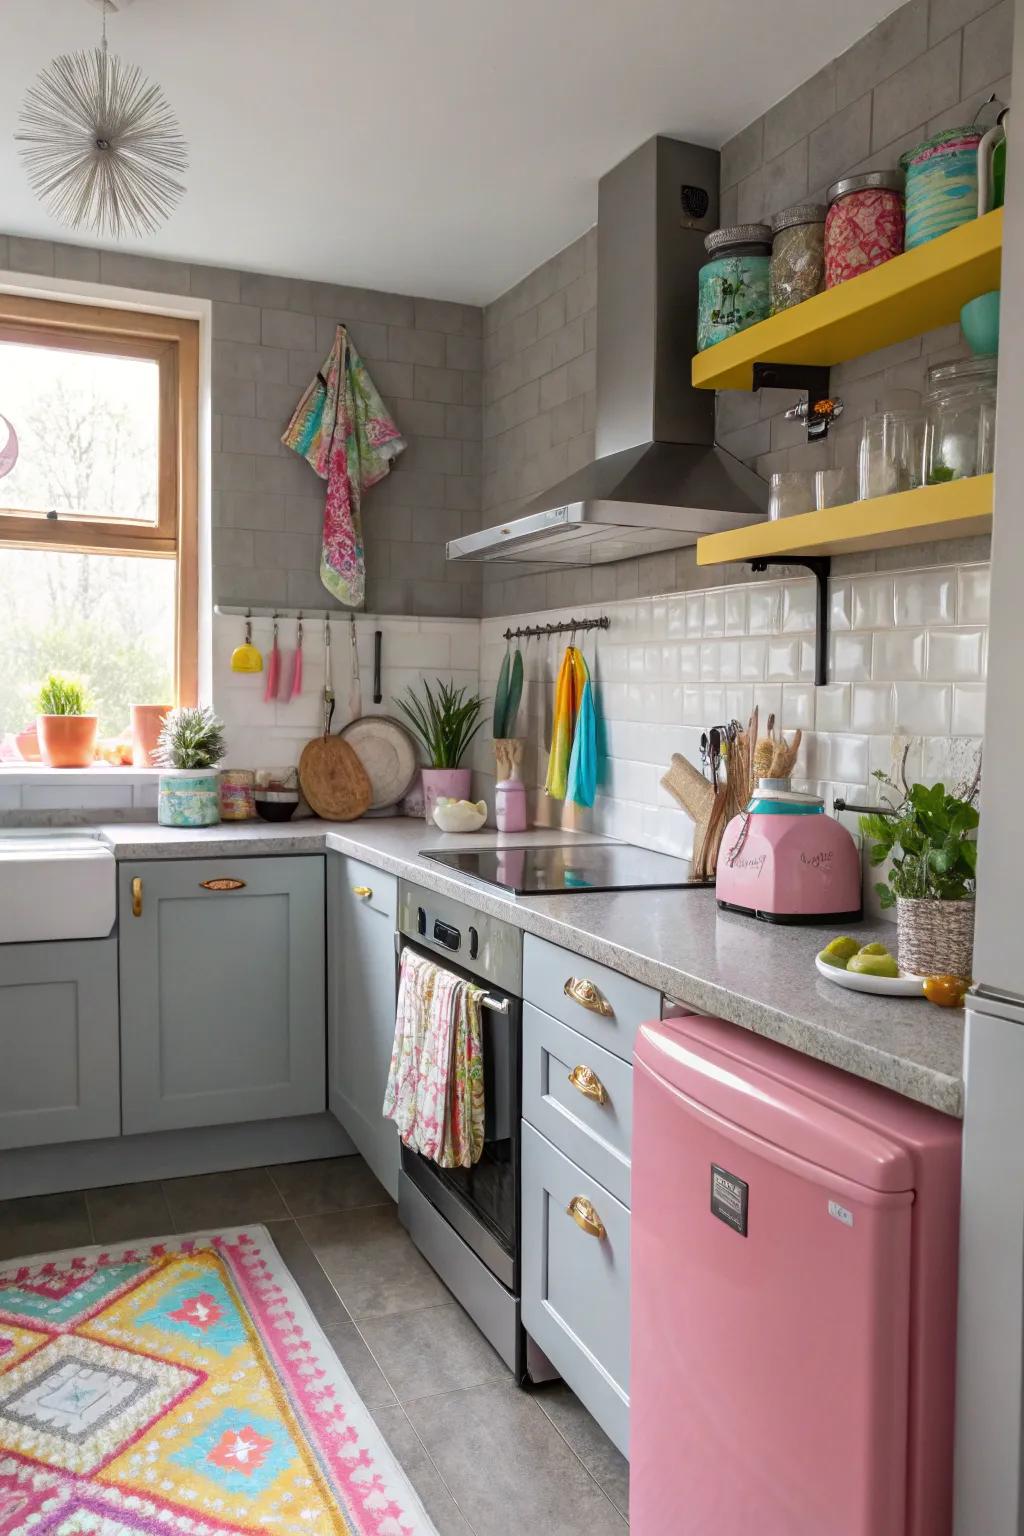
pixel 659 481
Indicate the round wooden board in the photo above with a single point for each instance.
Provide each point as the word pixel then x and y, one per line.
pixel 388 753
pixel 333 779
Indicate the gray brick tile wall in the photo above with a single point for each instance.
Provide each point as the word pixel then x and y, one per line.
pixel 269 336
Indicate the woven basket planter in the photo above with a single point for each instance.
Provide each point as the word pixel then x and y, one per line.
pixel 935 938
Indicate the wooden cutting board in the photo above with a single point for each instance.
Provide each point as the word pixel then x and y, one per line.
pixel 333 779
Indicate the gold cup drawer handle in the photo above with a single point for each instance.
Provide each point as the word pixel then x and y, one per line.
pixel 364 892
pixel 136 897
pixel 585 1217
pixel 222 884
pixel 588 996
pixel 589 1084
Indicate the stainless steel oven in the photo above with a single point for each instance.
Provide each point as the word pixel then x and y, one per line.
pixel 466 1220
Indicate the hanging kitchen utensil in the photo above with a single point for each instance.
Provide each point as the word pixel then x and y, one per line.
pixel 355 692
pixel 245 657
pixel 273 669
pixel 290 685
pixel 378 636
pixel 388 753
pixel 331 776
pixel 328 684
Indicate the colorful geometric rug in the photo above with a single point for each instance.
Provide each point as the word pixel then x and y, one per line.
pixel 183 1387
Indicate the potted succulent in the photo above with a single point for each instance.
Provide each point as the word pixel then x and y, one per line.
pixel 190 747
pixel 928 835
pixel 445 723
pixel 65 724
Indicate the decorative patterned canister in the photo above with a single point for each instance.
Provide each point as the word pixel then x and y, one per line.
pixel 942 183
pixel 797 269
pixel 864 224
pixel 733 286
pixel 189 797
pixel 237 794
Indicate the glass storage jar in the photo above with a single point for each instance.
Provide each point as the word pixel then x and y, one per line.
pixel 961 410
pixel 885 462
pixel 864 224
pixel 942 183
pixel 733 285
pixel 797 268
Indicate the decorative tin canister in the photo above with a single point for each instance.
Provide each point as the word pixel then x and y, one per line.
pixel 237 794
pixel 864 224
pixel 189 797
pixel 733 285
pixel 942 184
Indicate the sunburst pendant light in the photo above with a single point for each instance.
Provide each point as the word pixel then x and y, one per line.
pixel 101 145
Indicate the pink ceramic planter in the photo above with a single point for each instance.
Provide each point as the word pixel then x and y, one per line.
pixel 454 782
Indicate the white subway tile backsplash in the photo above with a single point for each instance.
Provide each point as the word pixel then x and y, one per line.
pixel 926 597
pixel 729 660
pixel 832 707
pixel 972 594
pixel 840 606
pixel 799 601
pixel 764 608
pixel 797 707
pixel 851 658
pixel 956 655
pixel 897 654
pixel 968 709
pixel 689 662
pixel 923 708
pixel 714 613
pixel 784 661
pixel 873 602
pixel 695 614
pixel 753 659
pixel 736 611
pixel 710 654
pixel 872 708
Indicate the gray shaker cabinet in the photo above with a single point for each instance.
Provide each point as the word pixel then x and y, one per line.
pixel 222 991
pixel 361 917
pixel 58 1042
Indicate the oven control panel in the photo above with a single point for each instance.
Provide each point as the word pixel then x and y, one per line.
pixel 486 945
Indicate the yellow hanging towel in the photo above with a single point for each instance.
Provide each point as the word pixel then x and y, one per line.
pixel 572 676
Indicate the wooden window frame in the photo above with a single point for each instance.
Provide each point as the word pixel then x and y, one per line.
pixel 173 344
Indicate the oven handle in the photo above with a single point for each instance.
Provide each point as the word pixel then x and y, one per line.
pixel 494 1004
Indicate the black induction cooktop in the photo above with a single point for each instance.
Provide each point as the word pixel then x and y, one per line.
pixel 559 867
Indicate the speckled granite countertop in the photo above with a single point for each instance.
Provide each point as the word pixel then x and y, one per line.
pixel 756 975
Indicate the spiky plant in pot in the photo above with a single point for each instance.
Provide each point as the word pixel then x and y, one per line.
pixel 191 745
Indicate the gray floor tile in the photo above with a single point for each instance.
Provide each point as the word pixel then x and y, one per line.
pixel 327 1308
pixel 122 1212
pixel 330 1184
pixel 223 1199
pixel 601 1458
pixel 508 1468
pixel 43 1224
pixel 436 1350
pixel 372 1263
pixel 421 1472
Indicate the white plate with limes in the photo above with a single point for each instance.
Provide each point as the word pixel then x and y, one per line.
pixel 859 981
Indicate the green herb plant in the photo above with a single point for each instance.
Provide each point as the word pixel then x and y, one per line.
pixel 929 838
pixel 507 696
pixel 191 737
pixel 445 722
pixel 62 694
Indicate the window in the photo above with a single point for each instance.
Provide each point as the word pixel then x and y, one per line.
pixel 98 430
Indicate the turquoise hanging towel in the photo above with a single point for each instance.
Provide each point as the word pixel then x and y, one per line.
pixel 582 782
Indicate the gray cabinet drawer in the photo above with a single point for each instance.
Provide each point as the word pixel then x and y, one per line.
pixel 596 1132
pixel 364 886
pixel 601 1004
pixel 58 1042
pixel 576 1286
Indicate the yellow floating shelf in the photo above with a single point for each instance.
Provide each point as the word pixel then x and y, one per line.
pixel 916 292
pixel 956 509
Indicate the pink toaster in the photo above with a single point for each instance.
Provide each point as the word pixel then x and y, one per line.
pixel 785 861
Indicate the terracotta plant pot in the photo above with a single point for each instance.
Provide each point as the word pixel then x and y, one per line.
pixel 454 782
pixel 935 938
pixel 67 741
pixel 146 722
pixel 27 743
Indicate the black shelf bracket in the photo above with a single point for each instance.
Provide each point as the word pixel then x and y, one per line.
pixel 820 409
pixel 819 567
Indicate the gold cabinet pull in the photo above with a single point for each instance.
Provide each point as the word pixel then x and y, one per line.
pixel 585 1217
pixel 137 897
pixel 589 1084
pixel 223 884
pixel 364 892
pixel 588 996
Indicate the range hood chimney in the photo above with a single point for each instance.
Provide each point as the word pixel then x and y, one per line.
pixel 658 481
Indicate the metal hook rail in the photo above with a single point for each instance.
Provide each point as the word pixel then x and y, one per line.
pixel 567 627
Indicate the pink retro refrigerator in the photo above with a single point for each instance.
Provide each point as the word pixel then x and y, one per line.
pixel 794 1237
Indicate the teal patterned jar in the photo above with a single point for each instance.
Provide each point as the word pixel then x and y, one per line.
pixel 189 797
pixel 942 184
pixel 733 288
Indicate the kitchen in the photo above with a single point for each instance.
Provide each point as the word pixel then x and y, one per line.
pixel 219 1000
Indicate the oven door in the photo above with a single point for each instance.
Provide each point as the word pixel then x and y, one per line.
pixel 482 1203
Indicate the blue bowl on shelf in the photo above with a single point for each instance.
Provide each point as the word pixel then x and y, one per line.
pixel 979 321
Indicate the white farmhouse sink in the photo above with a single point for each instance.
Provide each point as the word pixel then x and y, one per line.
pixel 55 884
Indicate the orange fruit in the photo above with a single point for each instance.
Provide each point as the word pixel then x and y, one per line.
pixel 946 991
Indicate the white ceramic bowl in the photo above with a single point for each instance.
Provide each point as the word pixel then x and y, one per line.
pixel 882 986
pixel 460 815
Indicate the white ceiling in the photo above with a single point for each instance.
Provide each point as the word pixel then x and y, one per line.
pixel 437 147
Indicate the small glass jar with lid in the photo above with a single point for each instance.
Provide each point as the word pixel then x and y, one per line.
pixel 864 224
pixel 797 268
pixel 733 284
pixel 961 411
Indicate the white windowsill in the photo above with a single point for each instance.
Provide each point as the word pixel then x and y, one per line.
pixel 96 773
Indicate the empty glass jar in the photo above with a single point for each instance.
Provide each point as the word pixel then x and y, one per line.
pixel 961 411
pixel 885 462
